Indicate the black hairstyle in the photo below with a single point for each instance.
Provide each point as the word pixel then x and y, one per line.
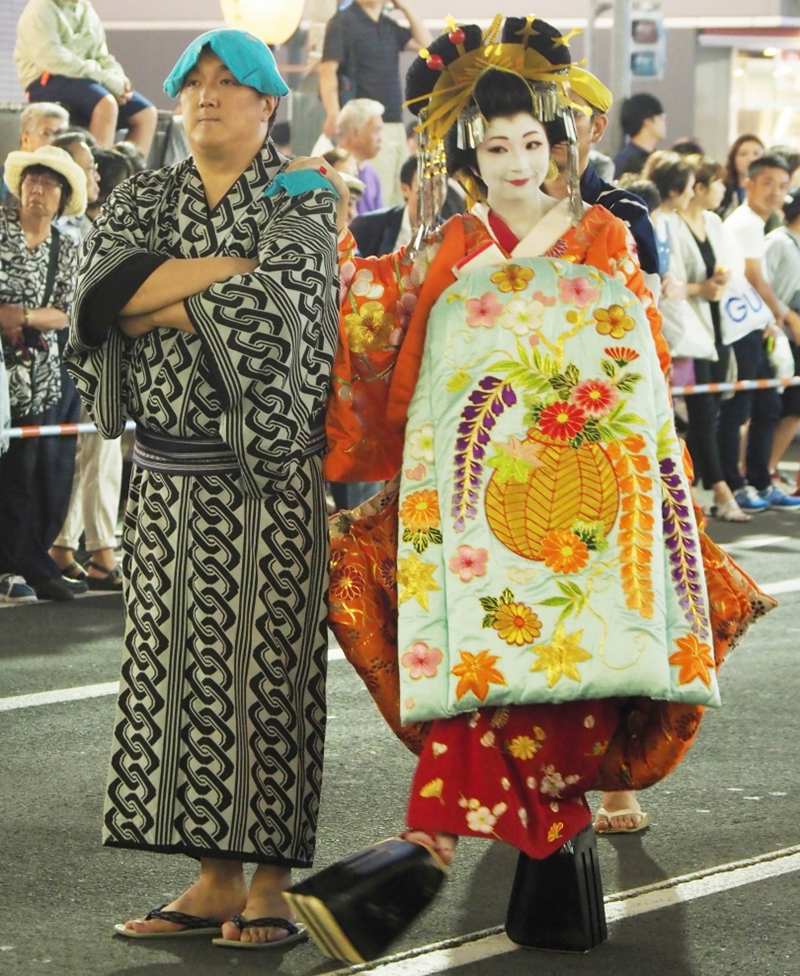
pixel 39 170
pixel 282 133
pixel 498 93
pixel 646 190
pixel 636 110
pixel 411 132
pixel 767 161
pixel 113 168
pixel 75 134
pixel 669 171
pixel 789 153
pixel 407 170
pixel 791 205
pixel 688 146
pixel 133 155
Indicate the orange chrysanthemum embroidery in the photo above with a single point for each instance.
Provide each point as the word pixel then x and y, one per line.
pixel 561 420
pixel 347 583
pixel 622 356
pixel 475 673
pixel 420 510
pixel 694 659
pixel 564 552
pixel 554 833
pixel 613 321
pixel 523 747
pixel 516 624
pixel 512 278
pixel 369 328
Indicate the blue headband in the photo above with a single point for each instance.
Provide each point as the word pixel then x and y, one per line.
pixel 248 59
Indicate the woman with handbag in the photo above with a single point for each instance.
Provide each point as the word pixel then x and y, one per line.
pixel 701 257
pixel 37 280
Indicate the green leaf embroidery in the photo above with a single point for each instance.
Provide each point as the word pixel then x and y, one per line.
pixel 608 368
pixel 506 596
pixel 458 381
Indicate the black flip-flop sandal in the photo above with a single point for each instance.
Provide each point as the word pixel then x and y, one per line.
pixel 193 925
pixel 296 933
pixel 111 579
pixel 75 572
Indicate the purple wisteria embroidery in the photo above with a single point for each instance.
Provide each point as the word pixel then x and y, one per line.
pixel 478 418
pixel 682 548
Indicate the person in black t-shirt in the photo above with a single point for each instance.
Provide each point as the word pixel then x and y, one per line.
pixel 361 59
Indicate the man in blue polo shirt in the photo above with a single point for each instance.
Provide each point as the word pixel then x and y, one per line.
pixel 361 59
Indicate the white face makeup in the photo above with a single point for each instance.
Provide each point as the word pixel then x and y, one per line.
pixel 513 159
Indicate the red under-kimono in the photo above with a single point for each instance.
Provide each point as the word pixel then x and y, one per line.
pixel 517 774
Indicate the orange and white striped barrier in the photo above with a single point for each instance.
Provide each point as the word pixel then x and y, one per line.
pixel 61 430
pixel 737 387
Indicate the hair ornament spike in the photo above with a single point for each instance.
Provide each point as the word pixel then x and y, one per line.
pixel 492 32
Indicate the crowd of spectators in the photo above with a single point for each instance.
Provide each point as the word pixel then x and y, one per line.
pixel 719 243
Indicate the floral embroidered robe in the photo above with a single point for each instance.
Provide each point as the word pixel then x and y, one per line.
pixel 517 773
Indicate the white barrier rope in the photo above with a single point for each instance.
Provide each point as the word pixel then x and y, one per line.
pixel 60 430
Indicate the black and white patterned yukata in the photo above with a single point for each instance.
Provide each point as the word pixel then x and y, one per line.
pixel 218 738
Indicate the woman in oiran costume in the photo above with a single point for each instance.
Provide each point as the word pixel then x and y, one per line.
pixel 556 614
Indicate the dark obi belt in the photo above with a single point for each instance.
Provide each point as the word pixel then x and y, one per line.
pixel 183 455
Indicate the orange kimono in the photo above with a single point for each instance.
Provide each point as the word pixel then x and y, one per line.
pixel 516 773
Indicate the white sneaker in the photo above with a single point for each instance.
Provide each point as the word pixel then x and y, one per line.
pixel 14 589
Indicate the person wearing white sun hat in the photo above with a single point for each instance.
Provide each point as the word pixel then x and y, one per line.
pixel 37 281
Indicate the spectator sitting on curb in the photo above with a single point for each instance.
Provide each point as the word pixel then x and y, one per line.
pixel 61 55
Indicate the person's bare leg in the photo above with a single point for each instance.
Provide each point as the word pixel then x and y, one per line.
pixel 62 556
pixel 104 558
pixel 784 435
pixel 103 123
pixel 219 892
pixel 727 507
pixel 265 900
pixel 620 800
pixel 142 129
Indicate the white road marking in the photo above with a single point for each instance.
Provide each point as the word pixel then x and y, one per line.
pixel 454 953
pixel 755 542
pixel 61 695
pixel 90 691
pixel 782 586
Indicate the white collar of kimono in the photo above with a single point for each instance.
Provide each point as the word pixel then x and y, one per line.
pixel 555 223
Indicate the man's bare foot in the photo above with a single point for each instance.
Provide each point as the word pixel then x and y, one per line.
pixel 621 800
pixel 265 900
pixel 444 844
pixel 219 892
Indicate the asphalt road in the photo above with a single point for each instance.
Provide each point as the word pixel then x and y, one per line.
pixel 736 797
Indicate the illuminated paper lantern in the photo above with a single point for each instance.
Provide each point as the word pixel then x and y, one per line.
pixel 273 21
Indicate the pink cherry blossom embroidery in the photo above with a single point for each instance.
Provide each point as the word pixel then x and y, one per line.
pixel 468 562
pixel 417 473
pixel 547 300
pixel 483 311
pixel 346 273
pixel 577 291
pixel 405 308
pixel 422 661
